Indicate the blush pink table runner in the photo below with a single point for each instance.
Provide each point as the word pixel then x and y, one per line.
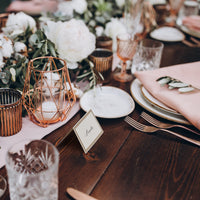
pixel 188 104
pixel 32 131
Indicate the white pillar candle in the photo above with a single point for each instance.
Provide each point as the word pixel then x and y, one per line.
pixel 47 111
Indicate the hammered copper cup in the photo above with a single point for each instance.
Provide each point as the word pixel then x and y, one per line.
pixel 10 112
pixel 102 59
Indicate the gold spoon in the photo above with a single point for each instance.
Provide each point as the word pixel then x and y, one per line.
pixel 79 195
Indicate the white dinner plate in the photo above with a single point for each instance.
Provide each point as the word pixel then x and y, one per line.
pixel 107 102
pixel 189 31
pixel 155 102
pixel 139 98
pixel 167 34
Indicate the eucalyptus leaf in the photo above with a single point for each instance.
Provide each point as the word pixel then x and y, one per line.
pixel 163 80
pixel 186 89
pixel 178 84
pixel 175 84
pixel 51 48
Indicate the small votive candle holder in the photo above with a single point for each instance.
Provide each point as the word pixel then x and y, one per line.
pixel 102 59
pixel 10 112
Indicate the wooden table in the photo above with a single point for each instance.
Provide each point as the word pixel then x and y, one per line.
pixel 127 164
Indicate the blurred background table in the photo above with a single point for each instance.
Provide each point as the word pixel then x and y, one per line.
pixel 128 164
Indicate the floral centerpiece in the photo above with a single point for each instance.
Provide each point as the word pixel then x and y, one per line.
pixel 21 41
pixel 102 17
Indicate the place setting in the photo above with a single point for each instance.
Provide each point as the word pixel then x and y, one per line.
pixel 180 25
pixel 72 89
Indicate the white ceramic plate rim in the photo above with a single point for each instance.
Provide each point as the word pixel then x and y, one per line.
pixel 138 97
pixel 165 39
pixel 189 32
pixel 156 102
pixel 125 97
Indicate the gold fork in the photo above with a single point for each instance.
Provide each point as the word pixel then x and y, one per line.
pixel 159 124
pixel 152 129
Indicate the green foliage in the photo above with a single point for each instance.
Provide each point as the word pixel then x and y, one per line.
pixel 99 12
pixel 38 46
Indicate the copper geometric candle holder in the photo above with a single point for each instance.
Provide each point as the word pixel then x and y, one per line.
pixel 47 95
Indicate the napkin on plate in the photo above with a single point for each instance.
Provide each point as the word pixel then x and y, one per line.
pixel 192 22
pixel 188 104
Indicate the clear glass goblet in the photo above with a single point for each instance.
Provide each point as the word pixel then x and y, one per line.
pixel 126 47
pixel 175 6
pixel 132 12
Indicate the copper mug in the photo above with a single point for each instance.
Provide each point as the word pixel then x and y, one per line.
pixel 102 59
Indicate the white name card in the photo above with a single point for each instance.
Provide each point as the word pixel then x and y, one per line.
pixel 88 131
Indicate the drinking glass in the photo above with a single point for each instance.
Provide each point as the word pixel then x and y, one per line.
pixel 126 47
pixel 148 55
pixel 32 168
pixel 175 6
pixel 189 8
pixel 133 10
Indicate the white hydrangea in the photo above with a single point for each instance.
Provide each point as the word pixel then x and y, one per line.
pixel 120 3
pixel 18 23
pixel 6 47
pixel 114 28
pixel 73 40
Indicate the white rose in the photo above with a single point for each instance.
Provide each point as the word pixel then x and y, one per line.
pixel 114 28
pixel 18 23
pixel 79 6
pixel 120 3
pixel 99 30
pixel 6 46
pixel 72 39
pixel 52 29
pixel 66 8
pixel 20 47
pixel 2 64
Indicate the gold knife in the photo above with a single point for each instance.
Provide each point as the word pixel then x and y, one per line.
pixel 79 195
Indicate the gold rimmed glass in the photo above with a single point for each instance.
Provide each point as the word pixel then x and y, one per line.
pixel 126 47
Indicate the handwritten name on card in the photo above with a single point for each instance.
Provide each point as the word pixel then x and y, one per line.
pixel 88 131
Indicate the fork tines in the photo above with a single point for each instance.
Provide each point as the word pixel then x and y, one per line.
pixel 134 123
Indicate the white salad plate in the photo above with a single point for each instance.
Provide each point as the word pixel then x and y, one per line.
pixel 155 102
pixel 107 102
pixel 167 34
pixel 141 100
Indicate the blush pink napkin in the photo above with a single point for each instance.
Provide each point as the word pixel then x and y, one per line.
pixel 188 104
pixel 192 22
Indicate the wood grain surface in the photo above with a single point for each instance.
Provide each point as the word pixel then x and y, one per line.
pixel 127 164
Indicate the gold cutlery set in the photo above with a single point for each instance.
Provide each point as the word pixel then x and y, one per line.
pixel 159 126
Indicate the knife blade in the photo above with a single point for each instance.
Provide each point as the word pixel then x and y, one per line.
pixel 78 195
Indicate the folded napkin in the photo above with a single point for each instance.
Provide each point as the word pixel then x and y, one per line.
pixel 188 104
pixel 192 22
